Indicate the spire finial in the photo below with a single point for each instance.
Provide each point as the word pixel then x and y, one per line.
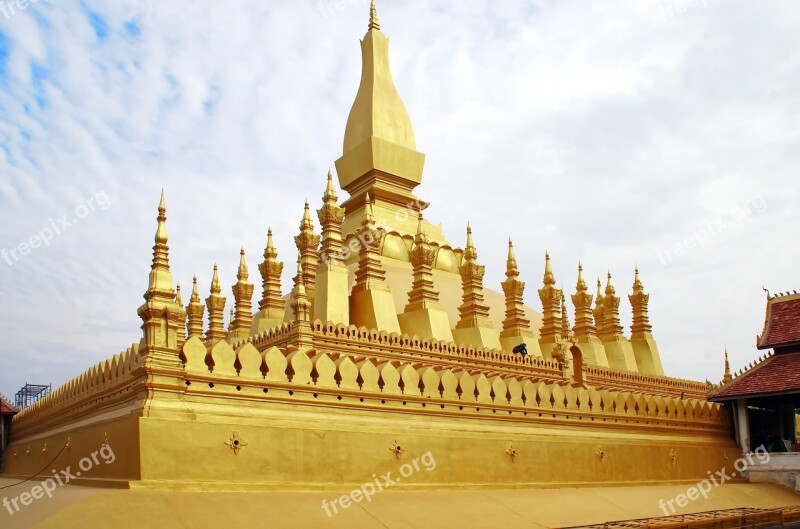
pixel 610 290
pixel 373 17
pixel 581 286
pixel 549 277
pixel 368 214
pixel 195 293
pixel 178 298
pixel 421 237
pixel 161 232
pixel 330 192
pixel 242 274
pixel 215 286
pixel 726 377
pixel 470 253
pixel 511 260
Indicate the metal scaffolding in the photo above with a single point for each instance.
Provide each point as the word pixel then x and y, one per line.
pixel 30 393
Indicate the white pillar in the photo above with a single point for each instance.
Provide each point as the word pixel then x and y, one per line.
pixel 743 425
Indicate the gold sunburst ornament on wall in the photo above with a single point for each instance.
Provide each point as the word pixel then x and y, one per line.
pixel 235 443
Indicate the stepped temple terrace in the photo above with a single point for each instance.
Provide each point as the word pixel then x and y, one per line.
pixel 387 354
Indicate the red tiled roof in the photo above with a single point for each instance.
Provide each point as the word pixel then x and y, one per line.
pixel 782 324
pixel 6 407
pixel 780 373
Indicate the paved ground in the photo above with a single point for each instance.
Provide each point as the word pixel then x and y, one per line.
pixel 83 507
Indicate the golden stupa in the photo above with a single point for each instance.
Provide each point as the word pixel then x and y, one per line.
pixel 388 347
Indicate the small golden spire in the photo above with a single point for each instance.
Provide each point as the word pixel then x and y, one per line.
pixel 470 253
pixel 195 310
pixel 421 237
pixel 373 17
pixel 565 327
pixel 330 192
pixel 216 307
pixel 610 291
pixel 368 214
pixel 195 293
pixel 242 296
pixel 178 298
pixel 511 260
pixel 581 286
pixel 270 249
pixel 161 232
pixel 599 290
pixel 215 286
pixel 549 277
pixel 306 223
pixel 637 283
pixel 242 274
pixel 727 376
pixel 271 270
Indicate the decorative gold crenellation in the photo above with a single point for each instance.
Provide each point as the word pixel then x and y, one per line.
pixel 271 270
pixel 162 316
pixel 182 327
pixel 331 216
pixel 243 296
pixel 195 310
pixel 726 377
pixel 216 309
pixel 582 301
pixel 370 271
pixel 422 256
pixel 611 325
pixel 307 243
pixel 473 308
pixel 513 288
pixel 551 303
pixel 373 17
pixel 641 322
pixel 599 310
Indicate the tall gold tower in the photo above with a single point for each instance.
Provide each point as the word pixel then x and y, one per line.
pixel 474 326
pixel 243 298
pixel 618 349
pixel 332 289
pixel 551 310
pixel 585 331
pixel 379 155
pixel 516 327
pixel 424 316
pixel 645 350
pixel 371 302
pixel 272 305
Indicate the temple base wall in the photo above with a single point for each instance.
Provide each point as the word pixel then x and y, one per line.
pixel 286 447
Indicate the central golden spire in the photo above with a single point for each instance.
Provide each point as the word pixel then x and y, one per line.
pixel 378 110
pixel 379 155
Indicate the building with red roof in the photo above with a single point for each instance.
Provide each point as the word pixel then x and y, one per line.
pixel 766 395
pixel 7 410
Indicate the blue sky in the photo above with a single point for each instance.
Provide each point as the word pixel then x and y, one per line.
pixel 663 133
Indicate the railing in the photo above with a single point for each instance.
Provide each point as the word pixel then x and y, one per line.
pixel 743 518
